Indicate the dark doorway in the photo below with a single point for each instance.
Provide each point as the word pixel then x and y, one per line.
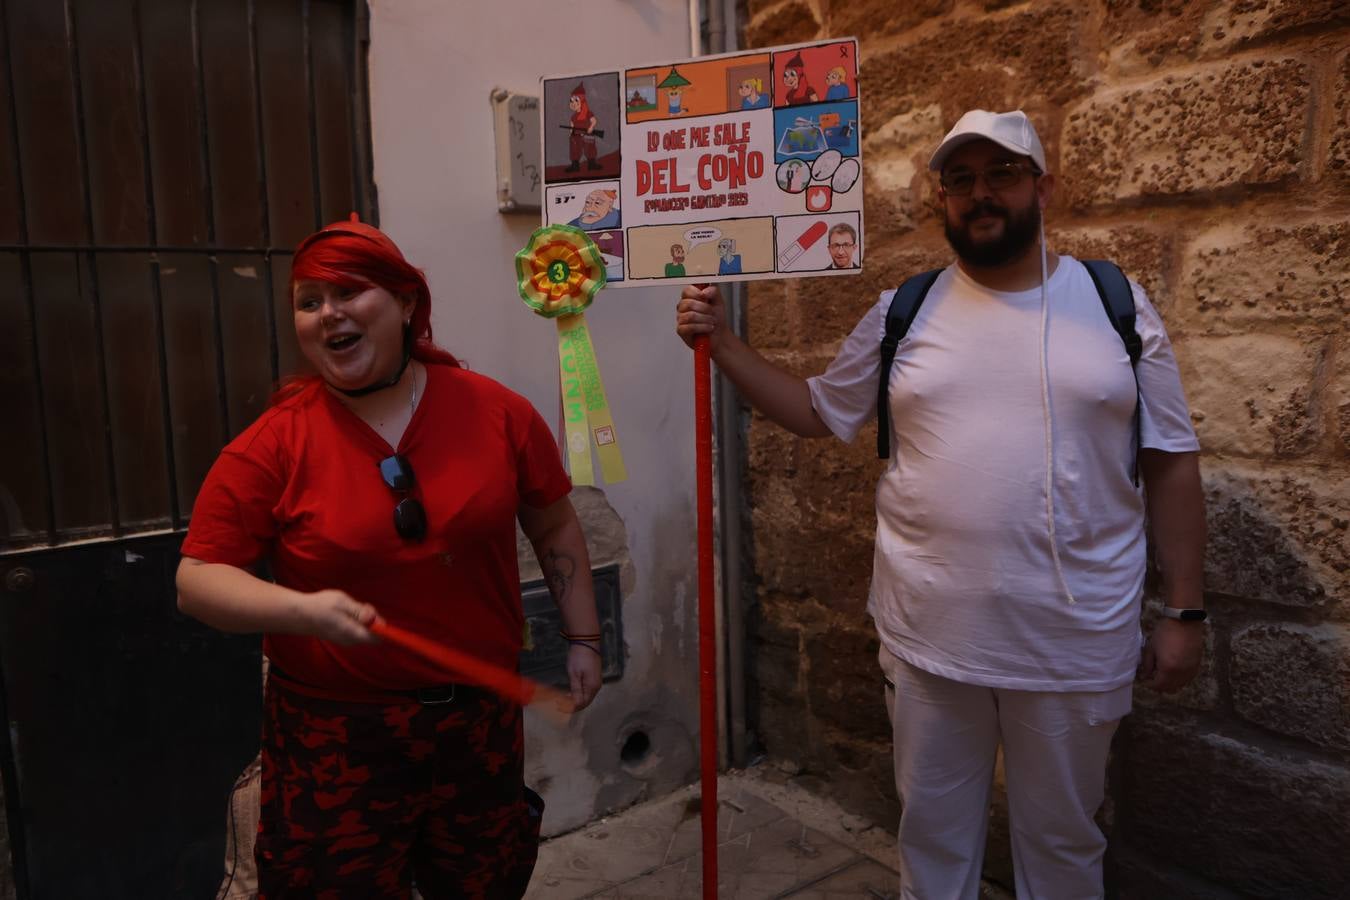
pixel 158 160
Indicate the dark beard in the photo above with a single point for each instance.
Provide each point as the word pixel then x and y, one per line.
pixel 1019 233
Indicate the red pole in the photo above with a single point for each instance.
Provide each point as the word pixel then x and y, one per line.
pixel 707 611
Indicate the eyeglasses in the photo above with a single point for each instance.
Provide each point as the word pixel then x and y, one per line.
pixel 997 176
pixel 410 518
pixel 836 245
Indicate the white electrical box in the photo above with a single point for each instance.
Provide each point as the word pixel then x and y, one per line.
pixel 520 174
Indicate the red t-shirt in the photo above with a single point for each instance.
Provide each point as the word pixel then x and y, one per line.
pixel 301 487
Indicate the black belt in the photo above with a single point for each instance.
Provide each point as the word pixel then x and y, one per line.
pixel 426 696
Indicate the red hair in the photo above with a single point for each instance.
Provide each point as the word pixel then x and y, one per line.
pixel 356 255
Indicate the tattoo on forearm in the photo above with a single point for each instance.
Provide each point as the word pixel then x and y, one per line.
pixel 559 570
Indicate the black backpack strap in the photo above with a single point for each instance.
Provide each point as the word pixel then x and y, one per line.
pixel 1118 300
pixel 899 316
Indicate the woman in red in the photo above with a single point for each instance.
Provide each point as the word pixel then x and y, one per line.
pixel 388 484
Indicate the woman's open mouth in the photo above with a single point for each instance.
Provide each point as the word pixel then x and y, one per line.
pixel 342 342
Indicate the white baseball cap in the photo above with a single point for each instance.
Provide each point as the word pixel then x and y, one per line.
pixel 1011 130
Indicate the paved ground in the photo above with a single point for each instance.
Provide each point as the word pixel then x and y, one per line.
pixel 775 840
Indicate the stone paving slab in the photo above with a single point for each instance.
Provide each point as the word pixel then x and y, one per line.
pixel 863 879
pixel 762 863
pixel 653 851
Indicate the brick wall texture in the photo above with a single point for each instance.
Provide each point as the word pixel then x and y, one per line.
pixel 1205 146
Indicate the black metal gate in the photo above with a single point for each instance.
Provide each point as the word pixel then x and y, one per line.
pixel 158 159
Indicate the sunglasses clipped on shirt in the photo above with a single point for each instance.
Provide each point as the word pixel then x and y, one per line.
pixel 410 518
pixel 997 176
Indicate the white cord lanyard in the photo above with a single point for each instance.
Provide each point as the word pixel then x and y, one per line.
pixel 1049 428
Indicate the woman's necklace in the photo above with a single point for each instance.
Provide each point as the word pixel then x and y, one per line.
pixel 412 403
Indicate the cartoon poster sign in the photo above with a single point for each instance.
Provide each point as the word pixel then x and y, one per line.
pixel 720 168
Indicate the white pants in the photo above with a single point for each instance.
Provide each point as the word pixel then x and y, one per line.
pixel 1054 754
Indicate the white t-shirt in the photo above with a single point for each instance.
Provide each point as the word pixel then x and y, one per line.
pixel 964 582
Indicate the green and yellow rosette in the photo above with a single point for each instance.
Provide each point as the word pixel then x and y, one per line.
pixel 559 272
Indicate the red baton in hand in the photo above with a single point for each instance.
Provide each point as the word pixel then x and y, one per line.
pixel 554 704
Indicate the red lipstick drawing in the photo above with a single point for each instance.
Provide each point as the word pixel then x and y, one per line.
pixel 801 245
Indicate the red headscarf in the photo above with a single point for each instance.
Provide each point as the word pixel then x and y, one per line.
pixel 356 255
pixel 583 113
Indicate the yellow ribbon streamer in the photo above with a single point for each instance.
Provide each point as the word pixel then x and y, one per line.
pixel 574 407
pixel 586 413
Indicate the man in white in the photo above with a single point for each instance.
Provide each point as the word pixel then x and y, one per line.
pixel 1010 545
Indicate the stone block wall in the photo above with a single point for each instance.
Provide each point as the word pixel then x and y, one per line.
pixel 1205 146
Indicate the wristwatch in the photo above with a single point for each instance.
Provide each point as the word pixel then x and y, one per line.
pixel 1185 615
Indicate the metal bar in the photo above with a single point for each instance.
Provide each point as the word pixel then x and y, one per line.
pixel 270 310
pixel 351 33
pixel 82 143
pixel 308 50
pixel 14 812
pixel 14 815
pixel 707 615
pixel 156 291
pixel 729 465
pixel 209 196
pixel 166 408
pixel 143 248
pixel 730 468
pixel 26 273
pixel 351 38
pixel 138 60
pixel 26 269
pixel 370 197
pixel 83 540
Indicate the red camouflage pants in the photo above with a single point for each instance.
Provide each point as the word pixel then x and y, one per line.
pixel 360 799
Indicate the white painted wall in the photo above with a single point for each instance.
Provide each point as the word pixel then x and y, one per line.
pixel 433 64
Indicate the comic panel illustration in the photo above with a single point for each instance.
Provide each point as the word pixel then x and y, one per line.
pixel 581 128
pixel 697 88
pixel 820 74
pixel 593 207
pixel 830 181
pixel 720 247
pixel 820 243
pixel 807 133
pixel 611 250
